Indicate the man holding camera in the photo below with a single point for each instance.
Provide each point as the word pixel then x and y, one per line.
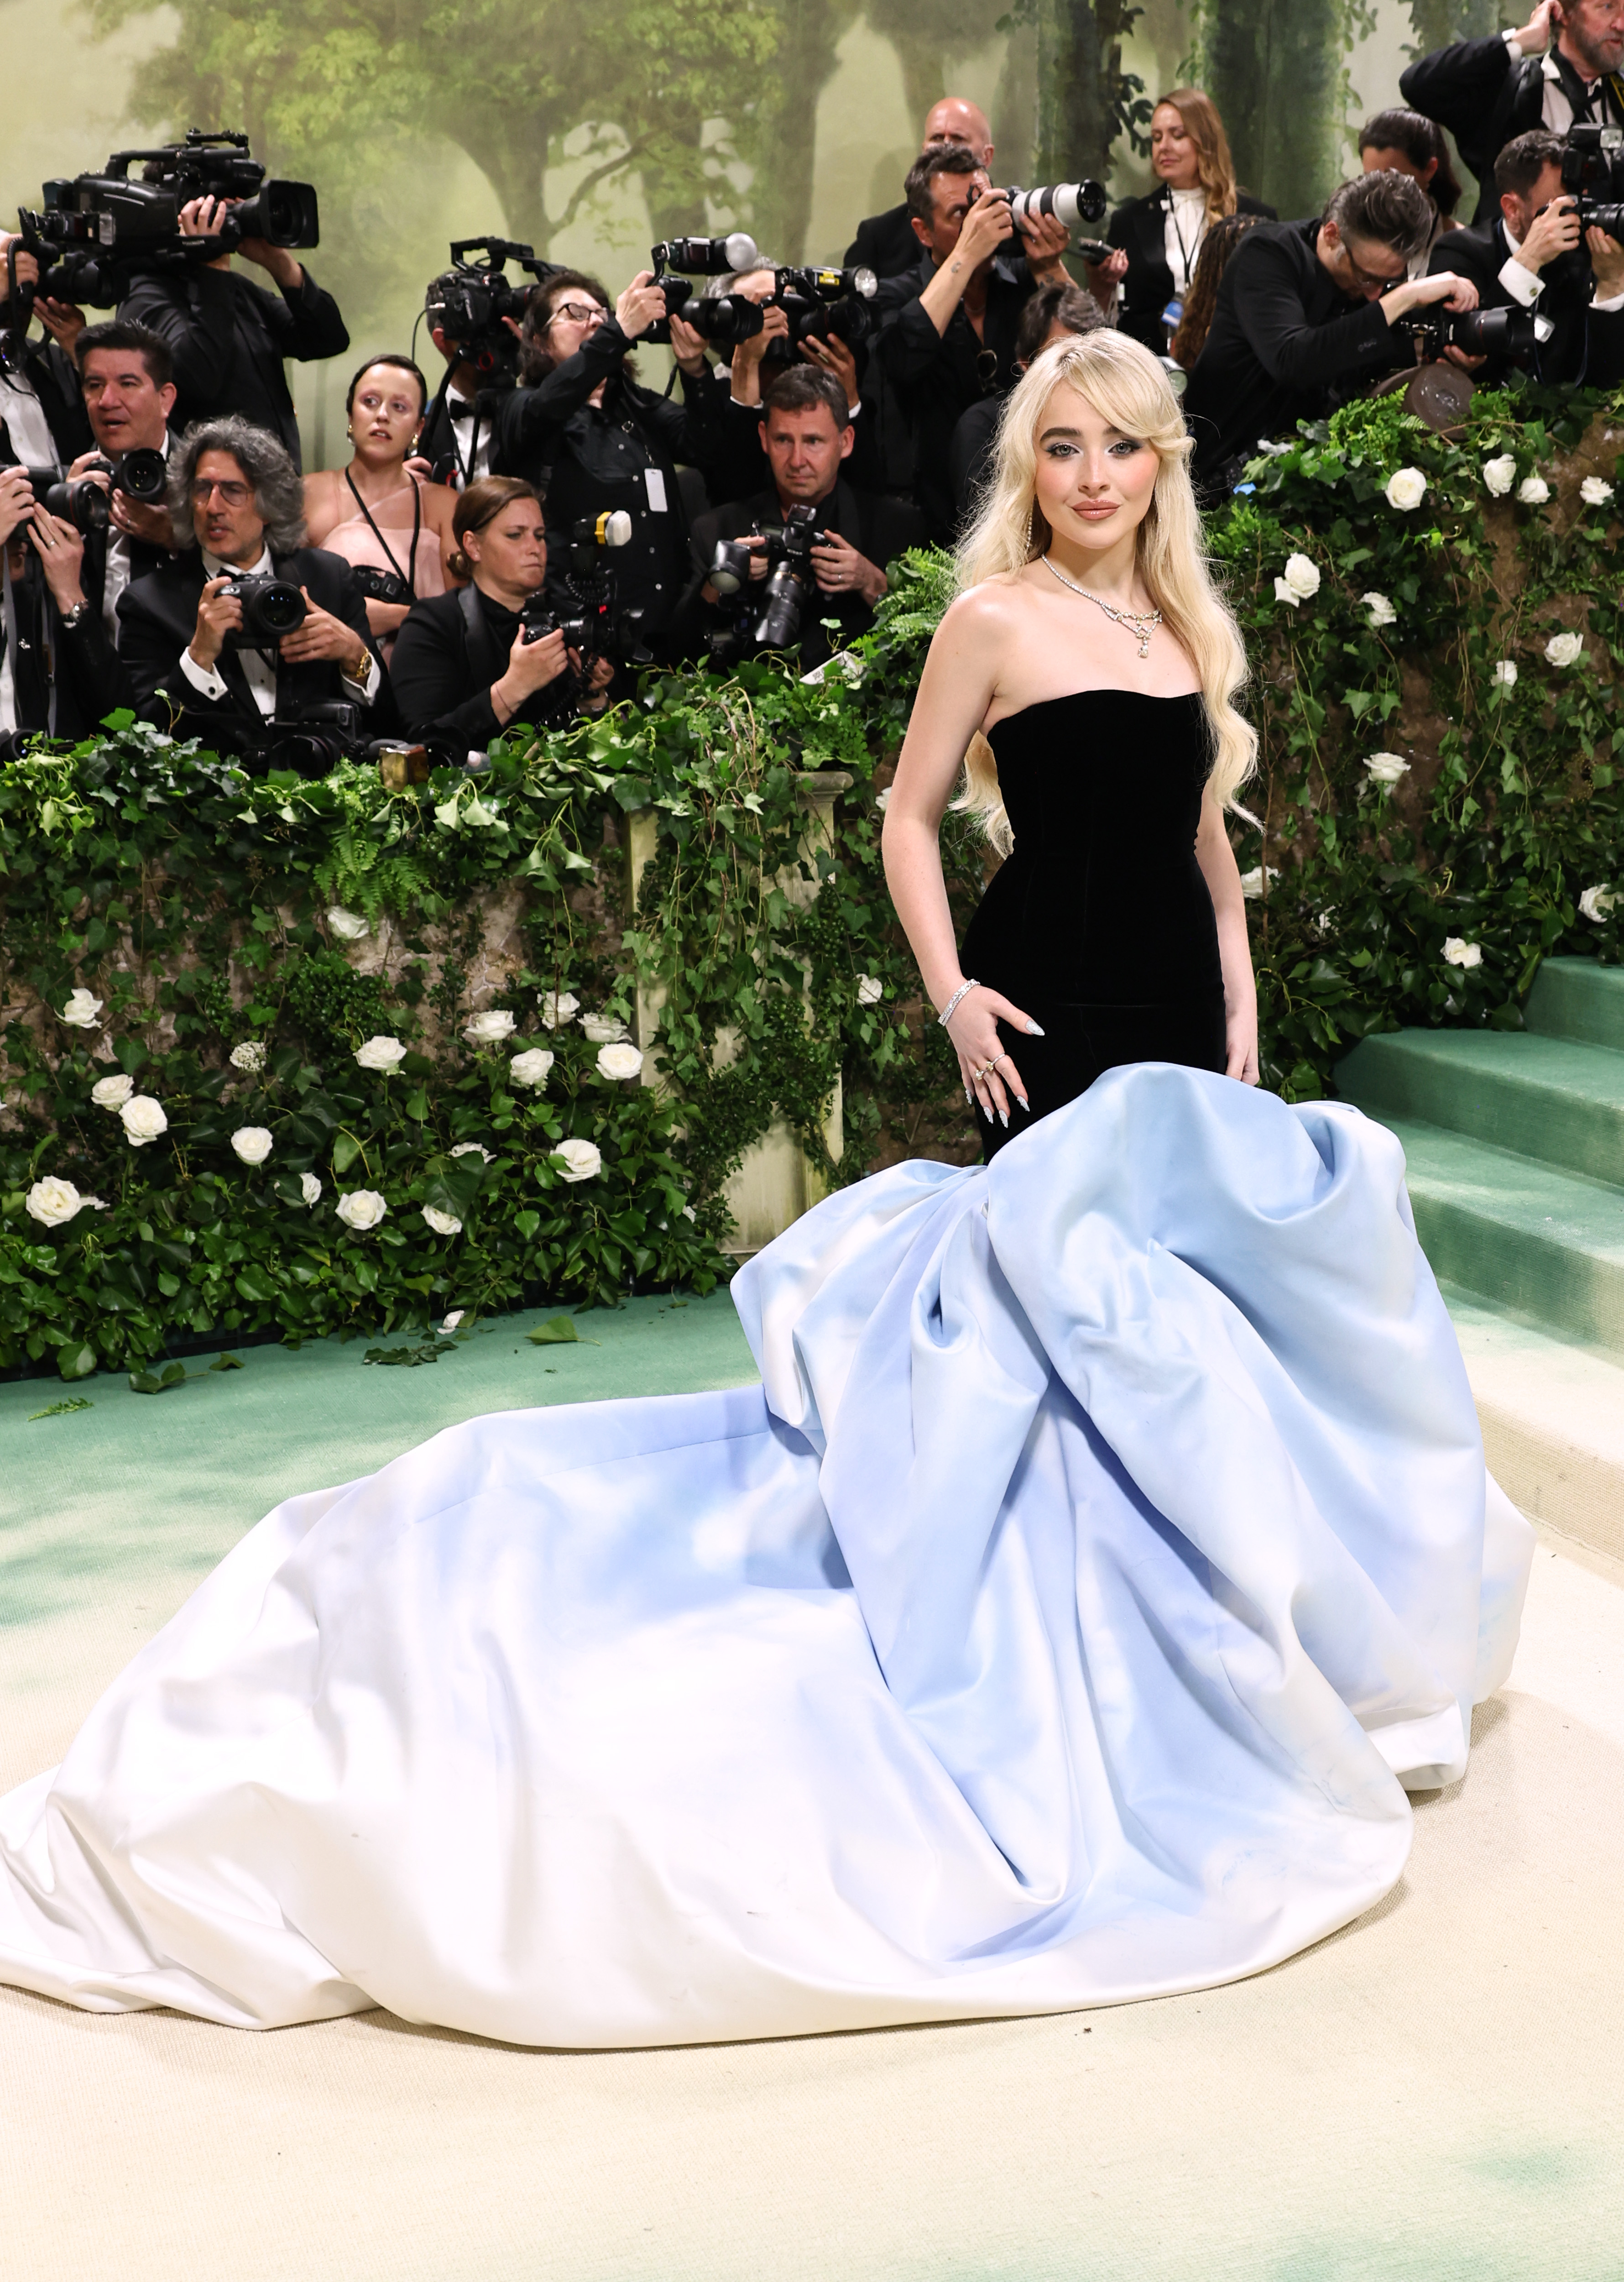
pixel 1535 256
pixel 198 634
pixel 460 424
pixel 228 336
pixel 1309 312
pixel 1559 70
pixel 806 437
pixel 949 337
pixel 886 243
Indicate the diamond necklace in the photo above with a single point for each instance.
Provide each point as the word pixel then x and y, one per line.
pixel 1141 624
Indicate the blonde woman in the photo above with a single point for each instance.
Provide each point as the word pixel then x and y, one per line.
pixel 1085 680
pixel 1158 237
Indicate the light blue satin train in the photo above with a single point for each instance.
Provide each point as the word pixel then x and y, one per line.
pixel 1106 1549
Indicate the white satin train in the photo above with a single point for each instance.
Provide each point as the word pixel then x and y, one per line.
pixel 1107 1547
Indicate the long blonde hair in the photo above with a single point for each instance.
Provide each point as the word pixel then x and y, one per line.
pixel 1214 169
pixel 1127 386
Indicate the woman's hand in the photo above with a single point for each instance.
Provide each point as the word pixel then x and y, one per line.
pixel 986 1070
pixel 531 666
pixel 1240 1042
pixel 386 617
pixel 598 680
pixel 61 553
pixel 687 348
pixel 640 306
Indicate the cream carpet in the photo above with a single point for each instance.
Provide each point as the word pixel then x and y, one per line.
pixel 1437 2092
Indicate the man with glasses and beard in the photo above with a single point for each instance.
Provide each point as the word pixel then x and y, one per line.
pixel 1305 315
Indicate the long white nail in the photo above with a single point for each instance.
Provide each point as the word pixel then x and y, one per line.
pixel 1003 1119
pixel 1036 1031
pixel 1025 1105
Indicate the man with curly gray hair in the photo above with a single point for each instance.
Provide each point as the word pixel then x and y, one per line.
pixel 236 504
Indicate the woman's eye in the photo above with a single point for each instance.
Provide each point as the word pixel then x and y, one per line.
pixel 1127 447
pixel 1061 451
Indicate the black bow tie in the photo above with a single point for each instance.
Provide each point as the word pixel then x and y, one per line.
pixel 459 408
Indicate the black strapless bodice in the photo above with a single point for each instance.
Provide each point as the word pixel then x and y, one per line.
pixel 1100 924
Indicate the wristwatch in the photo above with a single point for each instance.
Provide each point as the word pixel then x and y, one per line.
pixel 70 619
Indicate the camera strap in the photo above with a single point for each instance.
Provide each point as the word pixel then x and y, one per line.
pixel 409 575
pixel 481 649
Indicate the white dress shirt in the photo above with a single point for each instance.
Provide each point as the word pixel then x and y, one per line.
pixel 25 423
pixel 259 667
pixel 1526 285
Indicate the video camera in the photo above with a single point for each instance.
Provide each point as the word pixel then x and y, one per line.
pixel 473 303
pixel 595 626
pixel 1511 334
pixel 790 580
pixel 94 231
pixel 141 473
pixel 730 317
pixel 1593 174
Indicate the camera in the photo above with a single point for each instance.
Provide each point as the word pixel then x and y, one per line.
pixel 94 231
pixel 1593 173
pixel 731 317
pixel 1074 202
pixel 707 257
pixel 789 552
pixel 818 302
pixel 592 622
pixel 473 304
pixel 271 608
pixel 1513 334
pixel 143 475
pixel 382 586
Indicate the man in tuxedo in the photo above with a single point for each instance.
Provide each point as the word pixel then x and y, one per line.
pixel 1304 316
pixel 886 243
pixel 1561 67
pixel 459 425
pixel 1531 257
pixel 238 507
pixel 228 336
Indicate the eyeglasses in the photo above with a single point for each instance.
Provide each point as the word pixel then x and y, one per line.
pixel 1366 276
pixel 578 313
pixel 232 493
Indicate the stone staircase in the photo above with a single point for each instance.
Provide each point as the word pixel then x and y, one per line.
pixel 1515 1149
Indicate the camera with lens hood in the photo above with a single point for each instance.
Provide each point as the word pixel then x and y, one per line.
pixel 271 608
pixel 592 622
pixel 790 579
pixel 141 475
pixel 93 233
pixel 1510 334
pixel 1593 174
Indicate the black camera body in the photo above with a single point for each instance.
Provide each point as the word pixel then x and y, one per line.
pixel 730 317
pixel 789 581
pixel 1510 334
pixel 271 607
pixel 818 302
pixel 1593 173
pixel 479 297
pixel 143 475
pixel 94 232
pixel 594 625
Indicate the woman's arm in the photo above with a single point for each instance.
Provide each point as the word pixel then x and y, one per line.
pixel 955 691
pixel 1217 859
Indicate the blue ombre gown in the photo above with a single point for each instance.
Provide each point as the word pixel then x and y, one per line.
pixel 1105 1552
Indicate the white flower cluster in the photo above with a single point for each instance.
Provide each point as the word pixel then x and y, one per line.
pixel 249 1056
pixel 1299 583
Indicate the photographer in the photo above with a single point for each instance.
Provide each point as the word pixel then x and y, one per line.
pixel 886 243
pixel 585 435
pixel 195 666
pixel 457 425
pixel 806 436
pixel 949 334
pixel 1562 67
pixel 1305 315
pixel 228 336
pixel 40 404
pixel 1159 237
pixel 463 671
pixel 124 373
pixel 1533 258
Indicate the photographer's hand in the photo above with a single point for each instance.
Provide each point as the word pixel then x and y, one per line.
pixel 1554 231
pixel 747 356
pixel 531 666
pixel 839 570
pixel 322 635
pixel 61 553
pixel 1607 261
pixel 16 501
pixel 205 218
pixel 289 274
pixel 834 356
pixel 592 698
pixel 1104 277
pixel 640 306
pixel 1535 36
pixel 1045 238
pixel 1420 293
pixel 219 614
pixel 64 320
pixel 987 225
pixel 137 520
pixel 688 347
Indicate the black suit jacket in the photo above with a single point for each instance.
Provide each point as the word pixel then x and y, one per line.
pixel 1139 228
pixel 448 653
pixel 229 338
pixel 157 615
pixel 1586 345
pixel 92 678
pixel 1487 97
pixel 884 244
pixel 881 528
pixel 55 380
pixel 1286 344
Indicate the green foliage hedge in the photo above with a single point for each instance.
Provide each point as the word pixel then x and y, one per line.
pixel 208 916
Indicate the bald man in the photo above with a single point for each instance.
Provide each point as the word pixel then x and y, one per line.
pixel 886 243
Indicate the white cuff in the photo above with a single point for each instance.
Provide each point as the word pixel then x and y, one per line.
pixel 1524 285
pixel 203 679
pixel 1607 308
pixel 370 687
pixel 1514 44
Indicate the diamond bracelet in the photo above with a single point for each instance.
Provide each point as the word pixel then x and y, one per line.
pixel 948 1011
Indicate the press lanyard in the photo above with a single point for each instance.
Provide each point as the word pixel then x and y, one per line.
pixel 1185 253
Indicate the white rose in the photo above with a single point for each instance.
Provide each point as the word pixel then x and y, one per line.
pixel 249 1056
pixel 1506 673
pixel 111 1092
pixel 558 1006
pixel 383 1054
pixel 1594 492
pixel 451 1322
pixel 443 1224
pixel 349 927
pixel 82 1012
pixel 603 1030
pixel 1500 474
pixel 310 1188
pixel 1597 903
pixel 1251 883
pixel 531 1066
pixel 53 1202
pixel 581 1159
pixel 1459 953
pixel 1565 649
pixel 143 1120
pixel 472 1149
pixel 252 1143
pixel 1406 490
pixel 1303 576
pixel 1385 768
pixel 619 1061
pixel 881 799
pixel 1382 611
pixel 490 1029
pixel 361 1208
pixel 1286 595
pixel 1534 490
pixel 870 989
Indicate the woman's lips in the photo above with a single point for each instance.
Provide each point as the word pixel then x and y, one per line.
pixel 1097 514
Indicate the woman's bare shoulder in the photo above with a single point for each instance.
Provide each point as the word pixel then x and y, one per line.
pixel 983 613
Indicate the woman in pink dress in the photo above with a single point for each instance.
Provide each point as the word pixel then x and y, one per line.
pixel 377 513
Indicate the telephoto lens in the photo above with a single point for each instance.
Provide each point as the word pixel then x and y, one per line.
pixel 1074 202
pixel 271 608
pixel 731 317
pixel 707 256
pixel 78 501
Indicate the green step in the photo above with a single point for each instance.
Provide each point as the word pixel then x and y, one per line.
pixel 1545 1243
pixel 1578 998
pixel 1552 1098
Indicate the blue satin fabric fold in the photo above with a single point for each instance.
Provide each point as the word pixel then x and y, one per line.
pixel 1106 1549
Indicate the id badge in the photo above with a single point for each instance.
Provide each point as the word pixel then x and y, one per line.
pixel 654 483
